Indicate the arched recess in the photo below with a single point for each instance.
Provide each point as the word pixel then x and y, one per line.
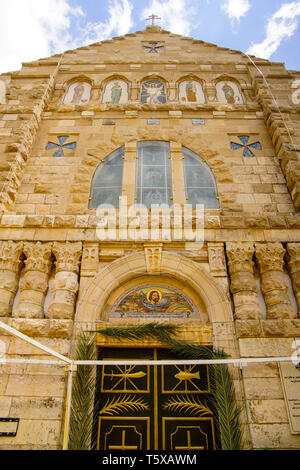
pixel 229 90
pixel 193 140
pixel 107 94
pixel 78 90
pixel 200 95
pixel 160 86
pixel 92 305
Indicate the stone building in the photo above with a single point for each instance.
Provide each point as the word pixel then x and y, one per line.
pixel 149 118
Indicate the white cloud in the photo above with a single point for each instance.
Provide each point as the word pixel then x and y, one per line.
pixel 119 22
pixel 235 9
pixel 33 29
pixel 177 16
pixel 280 26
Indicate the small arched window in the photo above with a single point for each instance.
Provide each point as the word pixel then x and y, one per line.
pixel 200 186
pixel 107 181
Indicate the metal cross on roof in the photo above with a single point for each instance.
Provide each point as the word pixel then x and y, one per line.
pixel 153 18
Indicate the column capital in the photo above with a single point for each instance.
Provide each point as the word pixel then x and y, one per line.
pixel 270 256
pixel 240 257
pixel 293 250
pixel 10 253
pixel 67 256
pixel 38 256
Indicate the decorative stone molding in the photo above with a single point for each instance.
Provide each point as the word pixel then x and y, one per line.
pixel 216 257
pixel 153 252
pixel 90 259
pixel 34 284
pixel 65 284
pixel 242 282
pixel 293 250
pixel 274 284
pixel 10 264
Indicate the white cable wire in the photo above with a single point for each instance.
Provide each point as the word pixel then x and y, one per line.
pixel 237 362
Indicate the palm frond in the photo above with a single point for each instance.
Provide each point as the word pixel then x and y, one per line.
pixel 188 404
pixel 82 406
pixel 123 403
pixel 158 331
pixel 228 410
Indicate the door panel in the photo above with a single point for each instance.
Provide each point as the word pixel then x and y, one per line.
pixel 153 407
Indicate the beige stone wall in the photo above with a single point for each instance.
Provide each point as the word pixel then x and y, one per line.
pixel 252 240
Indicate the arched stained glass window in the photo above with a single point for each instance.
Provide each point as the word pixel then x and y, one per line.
pixel 153 183
pixel 154 178
pixel 200 186
pixel 107 181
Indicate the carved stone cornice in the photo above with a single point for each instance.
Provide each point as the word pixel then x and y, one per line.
pixel 67 256
pixel 269 256
pixel 10 253
pixel 38 256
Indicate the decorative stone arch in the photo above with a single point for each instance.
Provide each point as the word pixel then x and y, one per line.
pixel 192 140
pixel 78 78
pixel 96 294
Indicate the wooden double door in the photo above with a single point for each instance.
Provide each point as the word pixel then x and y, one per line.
pixel 143 407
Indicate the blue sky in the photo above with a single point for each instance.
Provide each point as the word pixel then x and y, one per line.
pixel 40 28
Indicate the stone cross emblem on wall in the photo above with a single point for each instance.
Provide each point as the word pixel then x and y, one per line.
pixel 153 48
pixel 244 139
pixel 61 146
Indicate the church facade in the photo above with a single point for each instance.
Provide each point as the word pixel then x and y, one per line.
pixel 150 178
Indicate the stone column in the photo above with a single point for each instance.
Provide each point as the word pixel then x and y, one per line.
pixel 293 250
pixel 274 285
pixel 242 282
pixel 34 285
pixel 10 263
pixel 65 284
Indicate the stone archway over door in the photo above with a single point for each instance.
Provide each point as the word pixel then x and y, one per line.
pixel 92 304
